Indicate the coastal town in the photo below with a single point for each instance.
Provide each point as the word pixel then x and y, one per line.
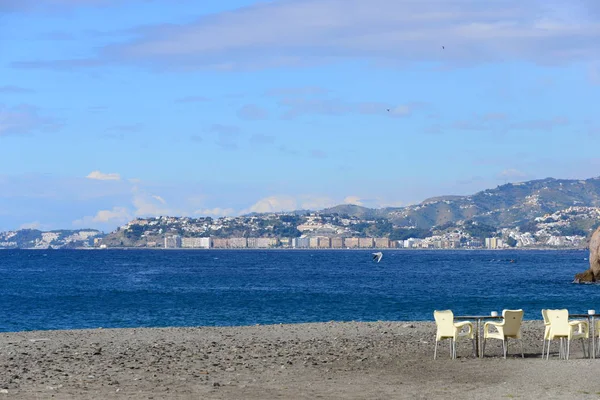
pixel 313 230
pixel 320 231
pixel 542 214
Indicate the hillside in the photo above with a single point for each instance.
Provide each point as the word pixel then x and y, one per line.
pixel 506 206
pixel 545 212
pixel 58 239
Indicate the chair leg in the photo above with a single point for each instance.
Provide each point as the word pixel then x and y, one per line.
pixel 568 348
pixel 505 347
pixel 544 346
pixel 435 351
pixel 561 349
pixel 522 354
pixel 451 349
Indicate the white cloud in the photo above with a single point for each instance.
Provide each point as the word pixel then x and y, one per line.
pixel 97 175
pixel 353 200
pixel 316 203
pixel 283 203
pixel 318 154
pixel 160 199
pixel 37 5
pixel 116 216
pixel 149 205
pixel 24 119
pixel 306 32
pixel 12 89
pixel 31 225
pixel 401 110
pixel 260 139
pixel 252 112
pixel 594 73
pixel 274 204
pixel 216 212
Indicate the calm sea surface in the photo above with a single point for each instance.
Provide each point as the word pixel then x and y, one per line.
pixel 70 289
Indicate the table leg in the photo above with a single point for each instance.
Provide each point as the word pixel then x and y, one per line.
pixel 478 340
pixel 592 329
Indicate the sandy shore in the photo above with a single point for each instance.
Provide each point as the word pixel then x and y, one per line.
pixel 380 360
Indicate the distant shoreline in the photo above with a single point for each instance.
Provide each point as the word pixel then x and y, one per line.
pixel 307 249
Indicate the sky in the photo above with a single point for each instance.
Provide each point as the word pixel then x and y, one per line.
pixel 112 110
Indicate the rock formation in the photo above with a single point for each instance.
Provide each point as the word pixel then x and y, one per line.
pixel 592 274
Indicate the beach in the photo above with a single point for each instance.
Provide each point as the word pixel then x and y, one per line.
pixel 334 360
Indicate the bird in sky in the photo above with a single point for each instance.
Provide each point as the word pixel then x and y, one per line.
pixel 443 47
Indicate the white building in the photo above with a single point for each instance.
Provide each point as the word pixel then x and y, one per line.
pixel 172 242
pixel 195 243
pixel 493 243
pixel 300 243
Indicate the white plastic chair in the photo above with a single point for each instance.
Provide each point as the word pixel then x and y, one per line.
pixel 563 329
pixel 546 331
pixel 597 335
pixel 509 328
pixel 448 329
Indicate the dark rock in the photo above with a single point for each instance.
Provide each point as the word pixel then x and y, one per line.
pixel 593 273
pixel 585 277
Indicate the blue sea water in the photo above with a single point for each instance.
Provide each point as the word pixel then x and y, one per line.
pixel 73 289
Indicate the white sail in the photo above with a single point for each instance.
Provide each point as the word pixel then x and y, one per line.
pixel 377 256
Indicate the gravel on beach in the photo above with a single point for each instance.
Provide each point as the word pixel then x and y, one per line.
pixel 332 360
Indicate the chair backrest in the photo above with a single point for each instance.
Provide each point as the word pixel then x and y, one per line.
pixel 559 322
pixel 444 321
pixel 512 321
pixel 545 316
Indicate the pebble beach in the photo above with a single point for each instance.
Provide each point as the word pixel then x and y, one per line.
pixel 334 360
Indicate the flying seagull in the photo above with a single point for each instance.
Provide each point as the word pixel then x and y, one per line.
pixel 377 256
pixel 443 47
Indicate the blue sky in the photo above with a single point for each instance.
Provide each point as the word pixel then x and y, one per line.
pixel 112 110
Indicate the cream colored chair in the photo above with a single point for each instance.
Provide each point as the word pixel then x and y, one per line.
pixel 597 335
pixel 448 329
pixel 509 328
pixel 563 329
pixel 546 331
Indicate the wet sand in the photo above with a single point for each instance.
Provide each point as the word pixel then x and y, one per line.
pixel 336 360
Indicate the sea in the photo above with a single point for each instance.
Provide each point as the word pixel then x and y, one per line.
pixel 81 289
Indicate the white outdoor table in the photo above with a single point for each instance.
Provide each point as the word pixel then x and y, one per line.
pixel 479 319
pixel 590 319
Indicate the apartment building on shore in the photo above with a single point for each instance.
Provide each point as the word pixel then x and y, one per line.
pixel 319 242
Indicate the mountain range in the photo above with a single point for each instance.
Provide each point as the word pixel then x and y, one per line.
pixel 506 206
pixel 543 208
